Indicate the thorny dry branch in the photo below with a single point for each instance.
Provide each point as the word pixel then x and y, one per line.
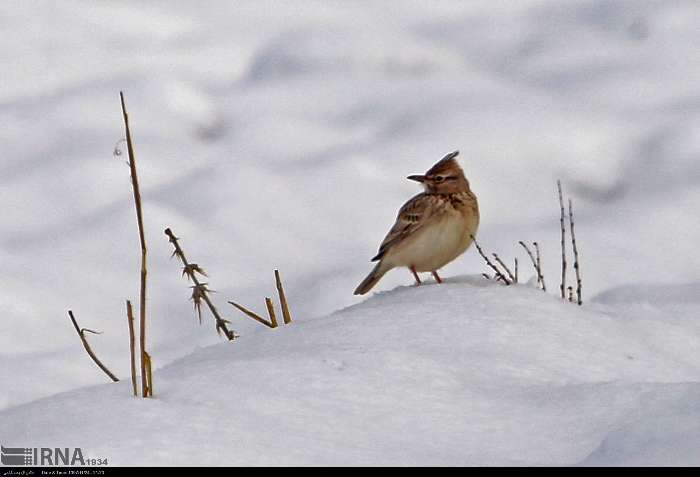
pixel 200 292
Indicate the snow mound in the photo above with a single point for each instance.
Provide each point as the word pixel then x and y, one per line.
pixel 468 372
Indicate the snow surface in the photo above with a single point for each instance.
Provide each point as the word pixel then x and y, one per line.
pixel 465 373
pixel 277 135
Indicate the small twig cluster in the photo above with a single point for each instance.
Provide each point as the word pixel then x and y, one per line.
pixel 536 263
pixel 499 275
pixel 504 275
pixel 200 290
pixel 272 321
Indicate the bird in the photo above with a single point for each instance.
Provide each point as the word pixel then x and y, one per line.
pixel 433 228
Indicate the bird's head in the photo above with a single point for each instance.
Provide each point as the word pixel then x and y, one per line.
pixel 445 177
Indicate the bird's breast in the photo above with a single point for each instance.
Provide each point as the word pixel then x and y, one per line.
pixel 438 242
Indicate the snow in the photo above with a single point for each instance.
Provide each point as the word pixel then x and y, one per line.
pixel 469 372
pixel 278 135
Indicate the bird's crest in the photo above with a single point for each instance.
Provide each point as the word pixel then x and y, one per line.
pixel 445 164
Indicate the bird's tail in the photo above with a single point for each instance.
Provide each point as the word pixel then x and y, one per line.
pixel 374 276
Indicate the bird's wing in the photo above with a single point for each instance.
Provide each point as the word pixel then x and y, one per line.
pixel 412 216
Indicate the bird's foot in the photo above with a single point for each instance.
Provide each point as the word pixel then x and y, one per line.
pixel 437 277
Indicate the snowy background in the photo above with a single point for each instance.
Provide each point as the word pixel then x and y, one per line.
pixel 279 135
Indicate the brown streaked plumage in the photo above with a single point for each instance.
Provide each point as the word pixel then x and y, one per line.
pixel 433 228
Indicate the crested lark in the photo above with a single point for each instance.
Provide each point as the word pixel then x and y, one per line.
pixel 433 228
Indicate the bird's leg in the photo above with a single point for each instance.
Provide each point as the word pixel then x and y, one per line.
pixel 437 277
pixel 415 275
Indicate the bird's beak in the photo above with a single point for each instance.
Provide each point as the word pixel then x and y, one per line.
pixel 417 178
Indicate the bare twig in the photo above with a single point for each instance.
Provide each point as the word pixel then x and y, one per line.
pixel 532 258
pixel 271 312
pixel 570 291
pixel 579 298
pixel 142 239
pixel 562 287
pixel 505 267
pixel 486 276
pixel 283 299
pixel 132 345
pixel 86 345
pixel 200 290
pixel 535 263
pixel 498 275
pixel 254 316
pixel 515 260
pixel 539 265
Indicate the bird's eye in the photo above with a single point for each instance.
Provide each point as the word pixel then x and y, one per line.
pixel 439 178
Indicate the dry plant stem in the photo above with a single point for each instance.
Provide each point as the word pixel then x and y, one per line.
pixel 254 316
pixel 220 322
pixel 271 312
pixel 142 239
pixel 535 263
pixel 505 267
pixel 539 266
pixel 499 275
pixel 132 345
pixel 570 291
pixel 283 299
pixel 562 287
pixel 149 375
pixel 579 299
pixel 516 270
pixel 86 345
